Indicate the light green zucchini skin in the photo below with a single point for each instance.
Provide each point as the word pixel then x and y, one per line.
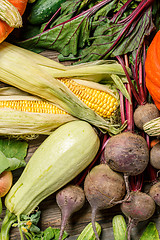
pixel 58 160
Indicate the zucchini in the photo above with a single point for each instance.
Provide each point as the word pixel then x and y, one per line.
pixel 58 160
pixel 43 10
pixel 88 233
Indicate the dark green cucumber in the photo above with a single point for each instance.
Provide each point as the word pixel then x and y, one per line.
pixel 43 10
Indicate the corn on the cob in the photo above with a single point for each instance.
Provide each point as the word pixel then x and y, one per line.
pixel 10 14
pixel 26 75
pixel 33 106
pixel 103 103
pixel 28 115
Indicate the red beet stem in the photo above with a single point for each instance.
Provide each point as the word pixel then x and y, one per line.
pixel 129 80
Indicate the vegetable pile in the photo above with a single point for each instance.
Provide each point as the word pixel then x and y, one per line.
pixel 99 115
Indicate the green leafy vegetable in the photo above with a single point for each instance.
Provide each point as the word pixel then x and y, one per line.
pixel 93 34
pixel 156 13
pixel 74 32
pixel 50 234
pixel 13 148
pixel 12 154
pixel 28 225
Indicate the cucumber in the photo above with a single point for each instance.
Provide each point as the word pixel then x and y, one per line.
pixel 119 228
pixel 150 233
pixel 43 10
pixel 88 233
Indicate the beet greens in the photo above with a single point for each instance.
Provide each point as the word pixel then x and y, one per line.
pixel 99 32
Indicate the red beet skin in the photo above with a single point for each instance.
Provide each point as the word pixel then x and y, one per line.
pixel 70 199
pixel 128 153
pixel 139 207
pixel 103 188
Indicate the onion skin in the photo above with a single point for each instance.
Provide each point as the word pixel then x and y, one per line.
pixel 6 180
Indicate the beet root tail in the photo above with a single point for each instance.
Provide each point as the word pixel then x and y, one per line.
pixel 93 223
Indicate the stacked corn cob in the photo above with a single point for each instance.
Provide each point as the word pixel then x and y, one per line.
pixel 74 98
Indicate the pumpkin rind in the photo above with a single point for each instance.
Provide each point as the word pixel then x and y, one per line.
pixel 152 68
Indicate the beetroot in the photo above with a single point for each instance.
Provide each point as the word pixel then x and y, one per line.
pixel 138 207
pixel 127 153
pixel 103 188
pixel 70 199
pixel 154 192
pixel 145 113
pixel 154 156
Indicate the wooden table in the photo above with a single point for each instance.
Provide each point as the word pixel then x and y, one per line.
pixel 50 212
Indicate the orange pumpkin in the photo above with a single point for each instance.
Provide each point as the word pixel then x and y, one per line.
pixel 5 29
pixel 152 68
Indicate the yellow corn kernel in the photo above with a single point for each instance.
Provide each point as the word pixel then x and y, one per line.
pixel 101 102
pixel 34 106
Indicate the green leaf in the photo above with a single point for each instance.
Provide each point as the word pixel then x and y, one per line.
pixel 12 154
pixel 4 163
pixel 71 35
pixel 104 40
pixel 13 148
pixel 15 163
pixel 50 234
pixel 57 232
pixel 150 233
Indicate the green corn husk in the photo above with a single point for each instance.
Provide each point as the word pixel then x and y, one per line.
pixel 152 128
pixel 96 71
pixel 19 69
pixel 10 14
